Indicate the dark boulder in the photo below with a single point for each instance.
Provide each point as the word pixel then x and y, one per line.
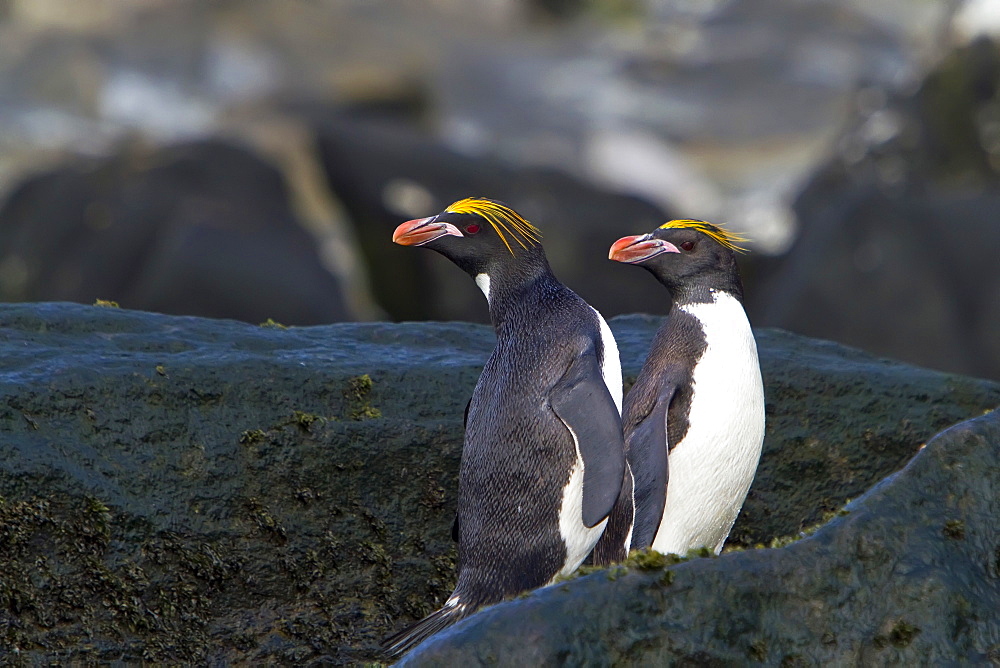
pixel 898 248
pixel 180 489
pixel 204 228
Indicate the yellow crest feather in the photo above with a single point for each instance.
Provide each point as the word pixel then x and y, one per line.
pixel 730 240
pixel 502 218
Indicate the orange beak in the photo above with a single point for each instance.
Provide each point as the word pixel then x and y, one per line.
pixel 422 230
pixel 639 248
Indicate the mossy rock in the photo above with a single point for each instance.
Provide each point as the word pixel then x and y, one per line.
pixel 189 490
pixel 879 585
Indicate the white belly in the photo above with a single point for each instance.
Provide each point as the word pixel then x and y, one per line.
pixel 711 469
pixel 580 539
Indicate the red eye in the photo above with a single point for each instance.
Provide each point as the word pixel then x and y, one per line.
pixel 472 229
pixel 687 245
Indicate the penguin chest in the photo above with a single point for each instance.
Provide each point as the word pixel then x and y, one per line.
pixel 711 468
pixel 611 365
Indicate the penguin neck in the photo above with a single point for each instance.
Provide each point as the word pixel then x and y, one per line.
pixel 700 293
pixel 507 285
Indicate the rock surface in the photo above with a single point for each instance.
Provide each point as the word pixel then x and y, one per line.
pixel 907 575
pixel 180 489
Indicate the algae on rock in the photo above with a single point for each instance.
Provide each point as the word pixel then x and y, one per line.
pixel 185 490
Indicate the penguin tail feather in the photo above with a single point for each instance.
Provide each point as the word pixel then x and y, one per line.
pixel 405 640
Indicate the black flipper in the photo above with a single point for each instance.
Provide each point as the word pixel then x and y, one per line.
pixel 647 454
pixel 454 526
pixel 610 549
pixel 582 401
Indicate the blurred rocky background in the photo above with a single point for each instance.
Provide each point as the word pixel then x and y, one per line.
pixel 249 160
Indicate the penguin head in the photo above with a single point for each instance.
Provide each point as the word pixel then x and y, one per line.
pixel 687 256
pixel 476 233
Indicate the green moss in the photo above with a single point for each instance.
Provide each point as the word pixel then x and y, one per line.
pixel 954 529
pixel 615 571
pixel 758 650
pixel 292 531
pixel 60 579
pixel 648 560
pixel 95 521
pixel 375 553
pixel 305 420
pixel 265 521
pixel 106 303
pixel 783 541
pixel 251 436
pixel 273 324
pixel 435 496
pixel 96 506
pixel 366 413
pixel 902 634
pixel 580 572
pixel 358 393
pixel 700 553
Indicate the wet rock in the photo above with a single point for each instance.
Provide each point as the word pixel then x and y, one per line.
pixel 181 489
pixel 204 228
pixel 907 574
pixel 897 249
pixel 208 490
